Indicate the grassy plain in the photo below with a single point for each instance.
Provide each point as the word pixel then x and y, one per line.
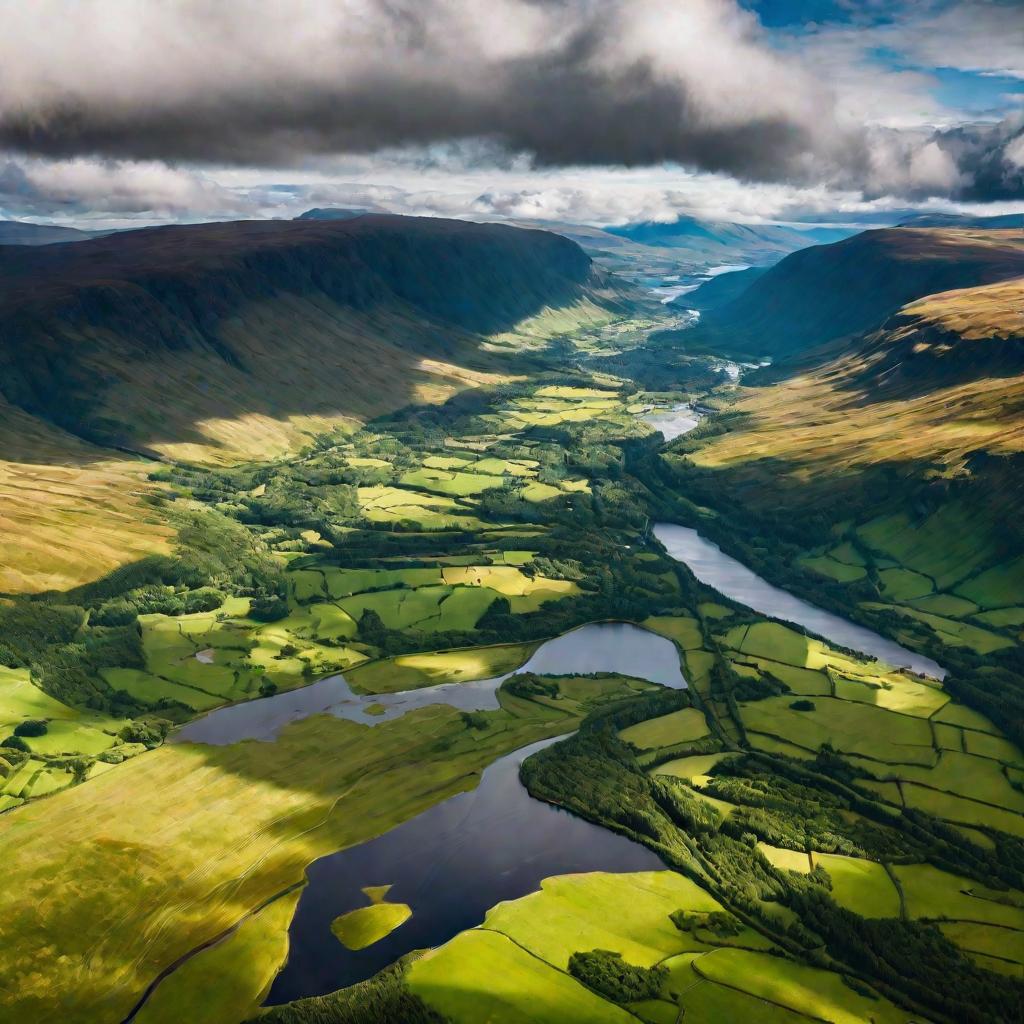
pixel 410 671
pixel 667 730
pixel 512 968
pixel 226 983
pixel 171 849
pixel 364 926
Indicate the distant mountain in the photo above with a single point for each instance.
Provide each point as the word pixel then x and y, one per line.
pixel 828 292
pixel 719 290
pixel 18 232
pixel 958 220
pixel 217 341
pixel 334 213
pixel 752 243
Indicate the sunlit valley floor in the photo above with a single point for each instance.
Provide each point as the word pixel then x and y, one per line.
pixel 807 833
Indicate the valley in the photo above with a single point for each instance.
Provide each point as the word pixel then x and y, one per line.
pixel 447 615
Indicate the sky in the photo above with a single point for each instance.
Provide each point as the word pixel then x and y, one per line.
pixel 122 112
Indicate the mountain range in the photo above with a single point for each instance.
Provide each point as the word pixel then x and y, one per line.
pixel 170 337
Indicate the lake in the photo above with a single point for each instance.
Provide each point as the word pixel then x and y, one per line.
pixel 450 864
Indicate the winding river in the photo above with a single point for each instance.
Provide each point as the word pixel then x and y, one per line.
pixel 599 647
pixel 457 859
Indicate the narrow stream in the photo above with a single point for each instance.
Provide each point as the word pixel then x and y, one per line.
pixel 712 566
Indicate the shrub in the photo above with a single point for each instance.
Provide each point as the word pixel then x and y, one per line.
pixel 802 705
pixel 16 743
pixel 268 608
pixel 609 975
pixel 150 731
pixel 30 727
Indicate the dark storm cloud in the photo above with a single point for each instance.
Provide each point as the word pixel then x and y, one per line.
pixel 569 82
pixel 627 82
pixel 989 158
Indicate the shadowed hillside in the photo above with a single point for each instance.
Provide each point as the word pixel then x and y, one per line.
pixel 239 342
pixel 234 340
pixel 823 293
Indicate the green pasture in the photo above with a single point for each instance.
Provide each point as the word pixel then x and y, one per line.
pixel 226 983
pixel 832 568
pixel 945 546
pixel 904 584
pixel 364 926
pixel 667 730
pixel 818 994
pixel 937 895
pixel 694 768
pixel 409 671
pixel 686 632
pixel 862 886
pixel 483 976
pixel 847 725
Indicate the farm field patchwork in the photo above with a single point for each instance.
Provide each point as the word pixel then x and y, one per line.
pixel 529 943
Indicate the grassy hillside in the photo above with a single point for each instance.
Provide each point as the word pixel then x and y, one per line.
pixel 942 381
pixel 238 342
pixel 883 479
pixel 69 511
pixel 823 293
pixel 226 341
pixel 725 240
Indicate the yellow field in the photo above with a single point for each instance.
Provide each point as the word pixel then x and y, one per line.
pixel 146 862
pixel 69 512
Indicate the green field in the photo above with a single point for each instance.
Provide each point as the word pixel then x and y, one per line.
pixel 814 993
pixel 364 926
pixel 173 847
pixel 409 671
pixel 667 730
pixel 226 983
pixel 512 968
pixel 849 726
pixel 933 894
pixel 861 885
pixel 686 632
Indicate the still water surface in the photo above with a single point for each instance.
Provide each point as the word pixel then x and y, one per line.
pixel 599 647
pixel 450 865
pixel 712 566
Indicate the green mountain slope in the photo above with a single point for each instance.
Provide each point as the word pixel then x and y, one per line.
pixel 823 293
pixel 235 340
pixel 882 478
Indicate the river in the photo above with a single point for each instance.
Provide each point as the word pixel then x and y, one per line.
pixel 712 566
pixel 457 859
pixel 598 647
